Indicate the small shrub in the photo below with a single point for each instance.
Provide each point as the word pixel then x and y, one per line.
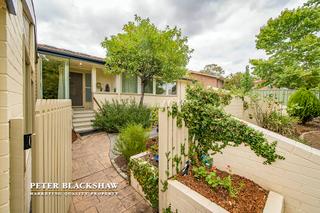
pixel 131 141
pixel 116 115
pixel 268 114
pixel 214 180
pixel 304 105
pixel 154 116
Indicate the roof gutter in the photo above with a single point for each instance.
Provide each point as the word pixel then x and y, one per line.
pixel 69 55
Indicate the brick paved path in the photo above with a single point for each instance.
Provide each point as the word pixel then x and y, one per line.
pixel 91 163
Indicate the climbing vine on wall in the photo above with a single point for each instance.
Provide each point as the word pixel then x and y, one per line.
pixel 147 176
pixel 213 129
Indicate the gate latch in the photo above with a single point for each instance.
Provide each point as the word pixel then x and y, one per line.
pixel 27 138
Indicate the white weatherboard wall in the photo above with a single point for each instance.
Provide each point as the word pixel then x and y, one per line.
pixel 16 39
pixel 297 177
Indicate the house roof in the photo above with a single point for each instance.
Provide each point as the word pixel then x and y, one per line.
pixel 51 50
pixel 207 75
pixel 46 49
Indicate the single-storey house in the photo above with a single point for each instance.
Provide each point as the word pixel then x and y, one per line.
pixel 66 74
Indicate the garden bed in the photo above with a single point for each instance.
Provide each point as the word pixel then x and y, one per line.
pixel 250 197
pixel 151 146
pixel 184 199
pixel 309 132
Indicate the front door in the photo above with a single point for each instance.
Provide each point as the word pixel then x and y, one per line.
pixel 76 88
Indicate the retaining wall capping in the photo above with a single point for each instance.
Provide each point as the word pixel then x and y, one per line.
pixel 186 200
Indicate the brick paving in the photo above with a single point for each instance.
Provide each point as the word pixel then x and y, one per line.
pixel 91 163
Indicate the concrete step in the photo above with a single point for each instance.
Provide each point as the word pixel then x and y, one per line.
pixel 85 115
pixel 84 129
pixel 83 119
pixel 76 112
pixel 82 124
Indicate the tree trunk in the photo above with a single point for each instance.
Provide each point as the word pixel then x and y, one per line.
pixel 142 92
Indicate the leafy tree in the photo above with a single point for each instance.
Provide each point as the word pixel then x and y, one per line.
pixel 246 82
pixel 292 44
pixel 233 81
pixel 213 69
pixel 50 78
pixel 143 50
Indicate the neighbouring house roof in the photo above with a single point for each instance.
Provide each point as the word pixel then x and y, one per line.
pixel 207 75
pixel 46 49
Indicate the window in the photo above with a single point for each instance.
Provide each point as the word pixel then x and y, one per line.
pixel 129 83
pixel 149 87
pixel 172 88
pixel 161 87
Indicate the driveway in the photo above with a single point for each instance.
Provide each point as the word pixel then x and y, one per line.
pixel 91 163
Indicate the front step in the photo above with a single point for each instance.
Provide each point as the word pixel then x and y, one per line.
pixel 82 120
pixel 84 129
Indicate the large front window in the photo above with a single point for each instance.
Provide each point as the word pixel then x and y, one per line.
pixel 172 88
pixel 129 83
pixel 148 88
pixel 161 87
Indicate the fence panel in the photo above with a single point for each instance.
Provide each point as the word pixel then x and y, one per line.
pixel 282 95
pixel 52 152
pixel 171 140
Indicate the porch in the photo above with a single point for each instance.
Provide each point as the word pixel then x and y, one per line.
pixel 70 75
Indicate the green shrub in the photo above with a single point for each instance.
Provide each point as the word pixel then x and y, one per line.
pixel 116 115
pixel 304 105
pixel 279 123
pixel 148 177
pixel 154 116
pixel 131 140
pixel 268 114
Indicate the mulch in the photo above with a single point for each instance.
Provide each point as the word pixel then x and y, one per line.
pixel 121 163
pixel 313 125
pixel 250 198
pixel 310 132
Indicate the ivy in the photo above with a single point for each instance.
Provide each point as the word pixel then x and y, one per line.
pixel 147 175
pixel 213 129
pixel 177 160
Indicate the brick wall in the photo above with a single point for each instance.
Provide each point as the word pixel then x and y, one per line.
pixel 206 80
pixel 4 125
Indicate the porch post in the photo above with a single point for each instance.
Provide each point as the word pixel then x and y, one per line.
pixel 118 84
pixel 93 80
pixel 66 79
pixel 139 89
pixel 154 86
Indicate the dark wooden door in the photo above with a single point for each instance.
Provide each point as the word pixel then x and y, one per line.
pixel 76 88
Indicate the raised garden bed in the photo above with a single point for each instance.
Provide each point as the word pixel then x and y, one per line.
pixel 250 196
pixel 184 199
pixel 144 178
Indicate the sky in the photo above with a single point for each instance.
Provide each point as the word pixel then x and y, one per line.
pixel 220 31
